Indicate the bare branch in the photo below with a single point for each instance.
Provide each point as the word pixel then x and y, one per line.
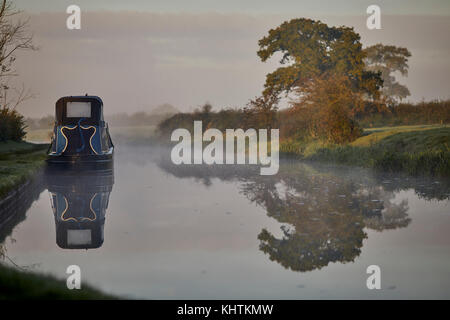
pixel 3 8
pixel 14 36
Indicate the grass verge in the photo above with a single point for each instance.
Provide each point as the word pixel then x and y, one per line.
pixel 17 284
pixel 18 162
pixel 414 150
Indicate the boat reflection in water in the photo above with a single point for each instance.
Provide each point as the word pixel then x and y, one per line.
pixel 79 200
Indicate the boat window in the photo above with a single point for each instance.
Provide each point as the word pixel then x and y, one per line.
pixel 78 109
pixel 79 237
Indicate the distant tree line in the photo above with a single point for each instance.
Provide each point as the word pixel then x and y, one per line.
pixel 141 118
pixel 223 119
pixel 292 124
pixel 432 112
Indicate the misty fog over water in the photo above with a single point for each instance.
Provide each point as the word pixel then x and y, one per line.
pixel 227 232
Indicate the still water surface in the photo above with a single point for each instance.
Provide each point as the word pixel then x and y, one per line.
pixel 226 232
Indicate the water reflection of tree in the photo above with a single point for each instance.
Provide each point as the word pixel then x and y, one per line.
pixel 324 213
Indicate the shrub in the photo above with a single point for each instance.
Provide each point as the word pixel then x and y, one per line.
pixel 12 125
pixel 335 125
pixel 328 106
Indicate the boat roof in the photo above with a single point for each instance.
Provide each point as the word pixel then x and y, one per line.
pixel 96 104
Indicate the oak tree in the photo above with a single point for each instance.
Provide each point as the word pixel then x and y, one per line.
pixel 311 49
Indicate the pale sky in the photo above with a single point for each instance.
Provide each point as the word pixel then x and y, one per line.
pixel 327 7
pixel 138 54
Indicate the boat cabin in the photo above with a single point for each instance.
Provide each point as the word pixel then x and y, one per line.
pixel 80 132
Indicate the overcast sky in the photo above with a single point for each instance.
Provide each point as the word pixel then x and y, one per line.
pixel 138 54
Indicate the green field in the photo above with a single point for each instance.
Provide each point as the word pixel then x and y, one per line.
pixel 374 135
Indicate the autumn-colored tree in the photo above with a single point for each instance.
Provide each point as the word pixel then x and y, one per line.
pixel 324 67
pixel 311 49
pixel 387 60
pixel 333 99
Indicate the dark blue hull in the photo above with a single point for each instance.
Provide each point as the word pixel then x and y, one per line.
pixel 83 162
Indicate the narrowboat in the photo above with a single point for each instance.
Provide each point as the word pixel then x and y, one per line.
pixel 80 134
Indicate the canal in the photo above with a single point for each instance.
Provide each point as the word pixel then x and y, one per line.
pixel 156 230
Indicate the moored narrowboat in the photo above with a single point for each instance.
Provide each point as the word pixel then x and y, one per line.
pixel 80 134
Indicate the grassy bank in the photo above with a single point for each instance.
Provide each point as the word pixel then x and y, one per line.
pixel 18 162
pixel 415 150
pixel 17 284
